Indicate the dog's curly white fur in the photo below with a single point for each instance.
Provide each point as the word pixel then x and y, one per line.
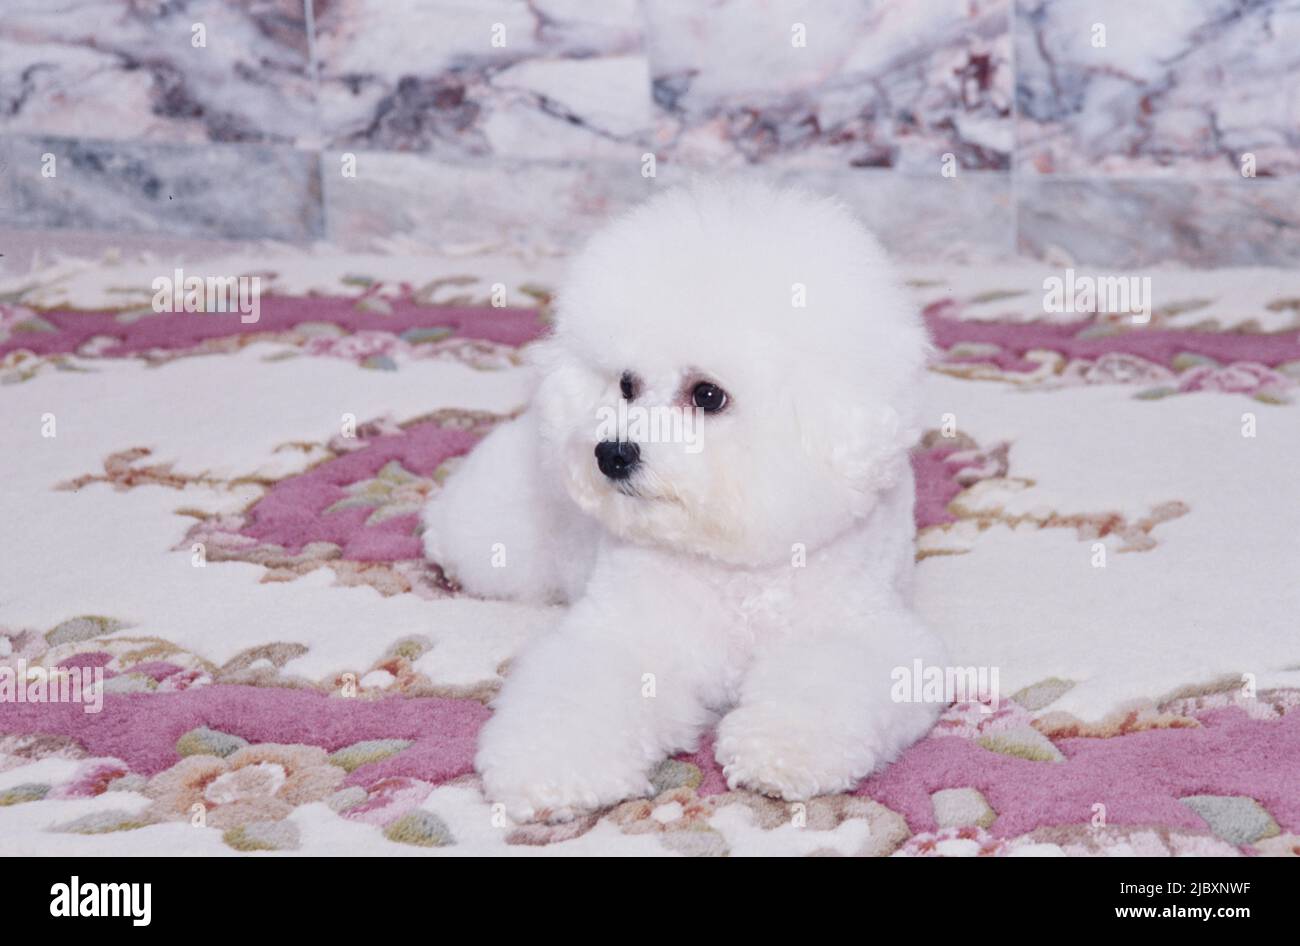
pixel 759 580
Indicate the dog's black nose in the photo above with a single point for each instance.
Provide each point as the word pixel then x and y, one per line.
pixel 617 458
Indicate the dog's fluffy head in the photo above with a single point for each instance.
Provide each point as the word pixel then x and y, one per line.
pixel 784 302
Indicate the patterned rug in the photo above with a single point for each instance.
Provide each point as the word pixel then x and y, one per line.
pixel 221 519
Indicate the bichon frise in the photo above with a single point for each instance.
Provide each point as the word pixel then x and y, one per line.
pixel 714 472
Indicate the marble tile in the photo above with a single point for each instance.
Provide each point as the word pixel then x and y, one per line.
pixel 407 202
pixel 399 202
pixel 1180 88
pixel 1122 154
pixel 1202 222
pixel 893 83
pixel 570 81
pixel 207 191
pixel 8 197
pixel 129 69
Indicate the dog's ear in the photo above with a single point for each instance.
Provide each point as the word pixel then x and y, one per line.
pixel 559 390
pixel 865 446
pixel 871 453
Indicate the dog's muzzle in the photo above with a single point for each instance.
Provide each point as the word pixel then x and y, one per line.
pixel 617 459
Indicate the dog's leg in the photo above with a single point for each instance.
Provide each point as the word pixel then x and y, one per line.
pixel 587 711
pixel 502 528
pixel 816 712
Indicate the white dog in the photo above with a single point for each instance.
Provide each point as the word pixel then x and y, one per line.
pixel 714 472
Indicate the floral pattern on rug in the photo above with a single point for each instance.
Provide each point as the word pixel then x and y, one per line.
pixel 355 511
pixel 372 331
pixel 254 755
pixel 1156 362
pixel 133 664
pixel 381 331
pixel 1005 789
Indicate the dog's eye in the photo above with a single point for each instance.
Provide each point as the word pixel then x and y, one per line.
pixel 627 384
pixel 708 397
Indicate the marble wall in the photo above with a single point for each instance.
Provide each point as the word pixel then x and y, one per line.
pixel 1110 132
pixel 1171 131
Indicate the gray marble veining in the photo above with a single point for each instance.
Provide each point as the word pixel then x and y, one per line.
pixel 157 70
pixel 542 80
pixel 232 192
pixel 1116 132
pixel 1179 88
pixel 833 83
pixel 1127 223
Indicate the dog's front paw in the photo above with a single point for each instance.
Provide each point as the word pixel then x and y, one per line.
pixel 760 749
pixel 541 773
pixel 542 792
